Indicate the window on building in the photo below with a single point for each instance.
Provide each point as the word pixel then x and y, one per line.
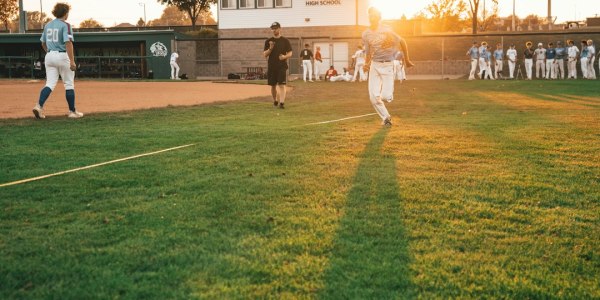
pixel 283 3
pixel 228 4
pixel 246 3
pixel 264 3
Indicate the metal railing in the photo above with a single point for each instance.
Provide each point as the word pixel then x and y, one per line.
pixel 124 67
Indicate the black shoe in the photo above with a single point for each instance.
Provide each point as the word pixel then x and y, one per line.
pixel 387 121
pixel 281 105
pixel 275 103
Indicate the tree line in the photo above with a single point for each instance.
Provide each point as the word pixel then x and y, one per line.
pixel 176 13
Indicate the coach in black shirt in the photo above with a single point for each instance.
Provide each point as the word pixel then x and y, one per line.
pixel 278 50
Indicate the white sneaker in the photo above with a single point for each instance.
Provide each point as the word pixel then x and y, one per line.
pixel 38 112
pixel 75 114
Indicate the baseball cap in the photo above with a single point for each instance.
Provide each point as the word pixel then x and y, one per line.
pixel 540 44
pixel 275 25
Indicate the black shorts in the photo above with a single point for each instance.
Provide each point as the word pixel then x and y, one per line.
pixel 276 76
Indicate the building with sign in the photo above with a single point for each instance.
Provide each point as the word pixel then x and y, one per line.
pixel 333 25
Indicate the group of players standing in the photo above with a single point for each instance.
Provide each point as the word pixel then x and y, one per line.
pixel 549 62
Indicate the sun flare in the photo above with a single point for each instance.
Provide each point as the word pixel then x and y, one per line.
pixel 394 9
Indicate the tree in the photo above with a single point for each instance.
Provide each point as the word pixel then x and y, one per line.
pixel 445 15
pixel 8 10
pixel 192 7
pixel 474 5
pixel 487 20
pixel 90 23
pixel 33 20
pixel 171 16
pixel 532 20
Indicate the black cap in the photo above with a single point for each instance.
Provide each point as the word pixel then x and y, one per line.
pixel 275 25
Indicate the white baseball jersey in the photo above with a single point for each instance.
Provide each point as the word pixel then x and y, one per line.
pixel 174 56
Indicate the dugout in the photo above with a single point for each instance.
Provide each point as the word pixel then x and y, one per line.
pixel 124 54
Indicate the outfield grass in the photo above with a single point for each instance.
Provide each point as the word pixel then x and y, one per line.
pixel 479 190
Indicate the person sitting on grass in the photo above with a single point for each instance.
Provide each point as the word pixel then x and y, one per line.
pixel 330 73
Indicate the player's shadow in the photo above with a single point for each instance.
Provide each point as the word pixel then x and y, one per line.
pixel 370 257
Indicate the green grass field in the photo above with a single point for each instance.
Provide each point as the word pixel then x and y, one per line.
pixel 486 189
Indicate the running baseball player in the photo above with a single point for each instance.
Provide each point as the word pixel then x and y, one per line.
pixel 174 65
pixel 57 40
pixel 381 43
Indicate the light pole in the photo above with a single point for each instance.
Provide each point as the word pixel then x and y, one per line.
pixel 41 18
pixel 144 5
pixel 513 17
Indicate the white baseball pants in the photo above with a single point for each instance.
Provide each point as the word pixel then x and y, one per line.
pixel 58 63
pixel 359 71
pixel 550 68
pixel 560 68
pixel 591 71
pixel 584 66
pixel 174 70
pixel 540 66
pixel 381 86
pixel 572 66
pixel 529 67
pixel 307 67
pixel 473 68
pixel 511 69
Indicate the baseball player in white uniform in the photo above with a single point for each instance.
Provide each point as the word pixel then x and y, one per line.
pixel 359 57
pixel 572 54
pixel 561 53
pixel 57 40
pixel 498 64
pixel 482 59
pixel 474 54
pixel 540 61
pixel 174 65
pixel 591 59
pixel 511 54
pixel 381 43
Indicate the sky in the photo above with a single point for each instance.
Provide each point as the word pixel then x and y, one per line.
pixel 113 12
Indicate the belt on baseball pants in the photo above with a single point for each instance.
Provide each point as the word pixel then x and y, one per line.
pixel 382 61
pixel 59 51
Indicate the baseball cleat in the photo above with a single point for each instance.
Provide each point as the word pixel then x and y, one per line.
pixel 75 114
pixel 275 103
pixel 387 121
pixel 281 105
pixel 38 112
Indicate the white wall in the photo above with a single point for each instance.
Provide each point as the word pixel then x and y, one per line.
pixel 326 13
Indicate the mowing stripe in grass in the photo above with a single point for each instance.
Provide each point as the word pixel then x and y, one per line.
pixel 145 154
pixel 93 166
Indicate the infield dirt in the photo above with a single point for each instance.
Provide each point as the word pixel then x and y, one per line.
pixel 19 97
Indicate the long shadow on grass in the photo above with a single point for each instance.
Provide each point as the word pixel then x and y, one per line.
pixel 370 257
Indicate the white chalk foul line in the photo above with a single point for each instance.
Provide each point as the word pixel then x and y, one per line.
pixel 93 166
pixel 147 154
pixel 338 120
